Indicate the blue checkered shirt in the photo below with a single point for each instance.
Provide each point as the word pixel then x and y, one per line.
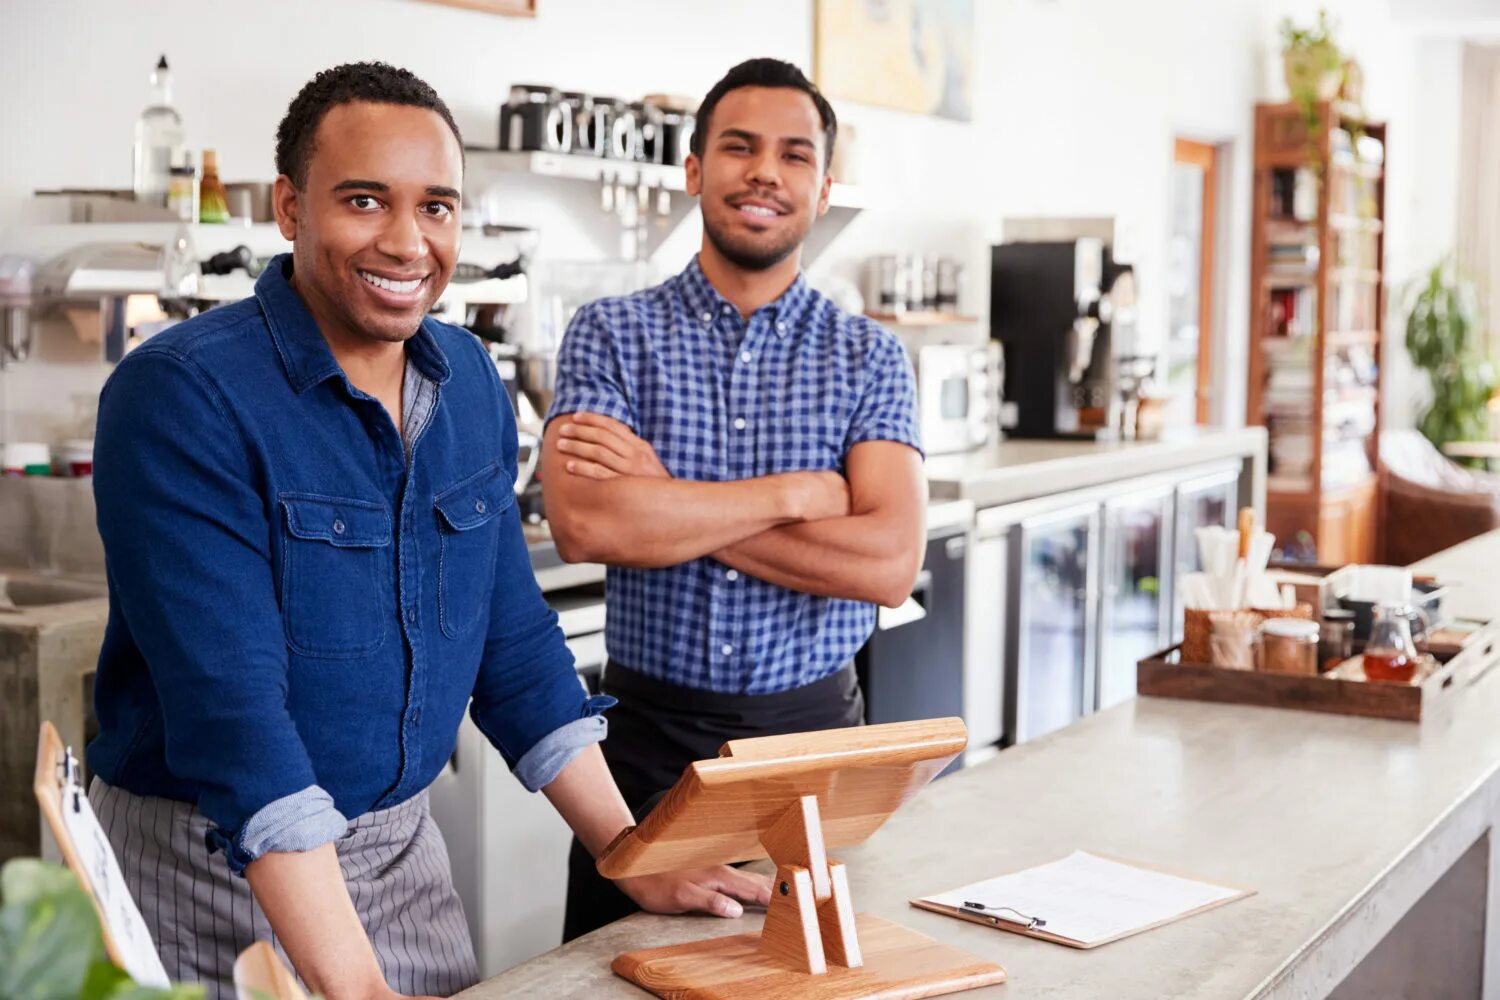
pixel 722 399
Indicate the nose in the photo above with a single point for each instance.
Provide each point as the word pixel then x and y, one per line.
pixel 764 170
pixel 402 238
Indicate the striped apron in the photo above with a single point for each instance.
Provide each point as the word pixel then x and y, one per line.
pixel 394 861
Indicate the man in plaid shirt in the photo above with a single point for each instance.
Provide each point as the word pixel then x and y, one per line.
pixel 744 456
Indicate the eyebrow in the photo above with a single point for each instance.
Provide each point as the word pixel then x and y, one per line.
pixel 359 184
pixel 739 133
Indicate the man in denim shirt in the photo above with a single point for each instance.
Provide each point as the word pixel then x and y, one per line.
pixel 315 562
pixel 744 455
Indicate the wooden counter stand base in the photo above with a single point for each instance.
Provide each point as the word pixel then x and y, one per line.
pixel 812 944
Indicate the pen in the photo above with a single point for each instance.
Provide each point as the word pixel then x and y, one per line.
pixel 1030 923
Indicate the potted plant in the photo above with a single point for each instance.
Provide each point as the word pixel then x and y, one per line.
pixel 1440 327
pixel 1311 60
pixel 50 944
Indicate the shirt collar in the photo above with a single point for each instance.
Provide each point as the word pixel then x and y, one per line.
pixel 304 352
pixel 703 299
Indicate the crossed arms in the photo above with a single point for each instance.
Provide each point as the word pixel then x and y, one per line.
pixel 609 499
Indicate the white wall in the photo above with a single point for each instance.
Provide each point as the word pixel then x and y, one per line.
pixel 1077 102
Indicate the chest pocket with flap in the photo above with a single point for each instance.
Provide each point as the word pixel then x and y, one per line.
pixel 336 585
pixel 469 525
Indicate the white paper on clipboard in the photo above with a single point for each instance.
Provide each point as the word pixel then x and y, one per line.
pixel 126 925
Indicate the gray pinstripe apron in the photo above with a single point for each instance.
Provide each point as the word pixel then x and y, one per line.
pixel 394 862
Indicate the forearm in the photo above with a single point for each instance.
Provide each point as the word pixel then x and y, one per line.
pixel 864 557
pixel 304 897
pixel 586 797
pixel 648 522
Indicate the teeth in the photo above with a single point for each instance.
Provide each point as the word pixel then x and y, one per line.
pixel 389 285
pixel 757 210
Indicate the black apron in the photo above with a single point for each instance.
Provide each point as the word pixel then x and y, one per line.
pixel 659 728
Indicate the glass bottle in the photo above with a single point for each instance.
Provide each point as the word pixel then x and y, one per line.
pixel 158 140
pixel 1390 655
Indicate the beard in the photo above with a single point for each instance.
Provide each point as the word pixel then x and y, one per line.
pixel 748 255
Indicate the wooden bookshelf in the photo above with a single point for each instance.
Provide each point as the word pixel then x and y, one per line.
pixel 1316 325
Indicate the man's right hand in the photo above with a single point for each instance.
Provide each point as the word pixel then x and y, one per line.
pixel 816 496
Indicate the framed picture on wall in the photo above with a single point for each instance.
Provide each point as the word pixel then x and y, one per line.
pixel 510 8
pixel 909 55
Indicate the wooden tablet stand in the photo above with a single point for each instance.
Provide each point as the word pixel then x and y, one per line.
pixel 789 798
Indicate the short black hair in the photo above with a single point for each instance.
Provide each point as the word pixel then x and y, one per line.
pixel 766 73
pixel 375 82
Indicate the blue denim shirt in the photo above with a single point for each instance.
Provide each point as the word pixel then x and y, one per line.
pixel 303 603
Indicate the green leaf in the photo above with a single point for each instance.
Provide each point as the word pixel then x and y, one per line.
pixel 49 932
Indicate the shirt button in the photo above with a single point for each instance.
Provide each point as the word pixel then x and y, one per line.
pixel 732 575
pixel 739 423
pixel 708 317
pixel 411 615
pixel 479 506
pixel 727 649
pixel 745 356
pixel 781 328
pixel 338 526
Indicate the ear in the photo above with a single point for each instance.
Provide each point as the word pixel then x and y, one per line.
pixel 693 168
pixel 284 201
pixel 823 194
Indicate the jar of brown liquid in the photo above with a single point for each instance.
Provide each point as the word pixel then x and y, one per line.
pixel 1390 654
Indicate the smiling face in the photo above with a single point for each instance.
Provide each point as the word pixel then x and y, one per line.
pixel 375 229
pixel 760 179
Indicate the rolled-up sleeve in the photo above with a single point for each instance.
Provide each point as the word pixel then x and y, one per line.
pixel 589 375
pixel 186 539
pixel 528 700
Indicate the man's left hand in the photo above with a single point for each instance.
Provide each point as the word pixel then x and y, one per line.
pixel 600 447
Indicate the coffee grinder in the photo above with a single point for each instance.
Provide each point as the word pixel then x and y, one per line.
pixel 1051 308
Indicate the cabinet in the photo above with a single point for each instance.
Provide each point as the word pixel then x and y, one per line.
pixel 1208 500
pixel 1317 319
pixel 1055 572
pixel 913 665
pixel 1138 584
pixel 1069 592
pixel 986 599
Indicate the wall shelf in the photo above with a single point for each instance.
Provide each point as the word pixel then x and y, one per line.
pixel 580 182
pixel 923 318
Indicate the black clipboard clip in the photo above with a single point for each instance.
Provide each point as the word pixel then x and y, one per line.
pixel 997 913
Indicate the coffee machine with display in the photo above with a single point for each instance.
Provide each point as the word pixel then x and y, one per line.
pixel 1052 307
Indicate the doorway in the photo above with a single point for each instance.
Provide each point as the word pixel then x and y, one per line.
pixel 1190 283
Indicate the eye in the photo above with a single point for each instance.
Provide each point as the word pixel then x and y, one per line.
pixel 797 157
pixel 438 209
pixel 364 202
pixel 736 147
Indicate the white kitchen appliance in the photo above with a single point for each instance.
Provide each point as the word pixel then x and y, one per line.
pixel 957 387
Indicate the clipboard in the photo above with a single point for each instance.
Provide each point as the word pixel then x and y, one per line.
pixel 260 974
pixel 1033 924
pixel 86 850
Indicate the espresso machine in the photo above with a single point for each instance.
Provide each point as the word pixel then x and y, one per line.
pixel 1052 308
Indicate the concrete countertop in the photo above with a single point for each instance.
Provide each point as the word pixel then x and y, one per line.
pixel 1339 823
pixel 1013 470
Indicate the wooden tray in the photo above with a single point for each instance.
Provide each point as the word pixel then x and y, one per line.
pixel 1166 676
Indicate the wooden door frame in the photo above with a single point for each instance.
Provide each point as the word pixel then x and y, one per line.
pixel 1205 156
